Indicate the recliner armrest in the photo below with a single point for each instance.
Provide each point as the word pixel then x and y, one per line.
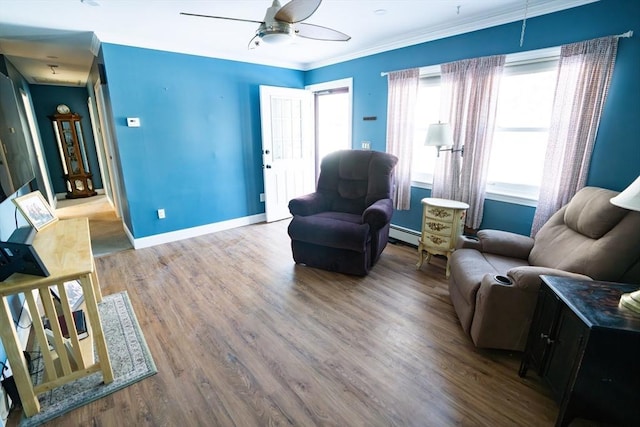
pixel 469 242
pixel 378 214
pixel 528 277
pixel 505 243
pixel 308 204
pixel 503 311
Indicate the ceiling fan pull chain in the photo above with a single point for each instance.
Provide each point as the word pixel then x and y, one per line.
pixel 524 22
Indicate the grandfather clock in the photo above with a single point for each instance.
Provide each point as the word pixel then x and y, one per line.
pixel 73 153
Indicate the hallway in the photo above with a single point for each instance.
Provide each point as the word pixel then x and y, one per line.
pixel 107 232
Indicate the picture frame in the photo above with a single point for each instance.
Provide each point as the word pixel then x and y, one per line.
pixel 35 210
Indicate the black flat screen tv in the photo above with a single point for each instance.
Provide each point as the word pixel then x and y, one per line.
pixel 15 162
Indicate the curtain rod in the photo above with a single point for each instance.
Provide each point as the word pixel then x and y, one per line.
pixel 626 35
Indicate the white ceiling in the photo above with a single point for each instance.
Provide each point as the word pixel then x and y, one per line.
pixel 35 34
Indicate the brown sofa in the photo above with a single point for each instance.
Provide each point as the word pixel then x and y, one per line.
pixel 495 279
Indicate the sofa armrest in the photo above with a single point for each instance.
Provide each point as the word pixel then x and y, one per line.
pixel 378 214
pixel 505 243
pixel 504 306
pixel 503 314
pixel 469 242
pixel 308 204
pixel 528 277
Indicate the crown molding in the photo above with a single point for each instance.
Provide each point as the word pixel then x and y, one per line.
pixel 473 23
pixel 513 14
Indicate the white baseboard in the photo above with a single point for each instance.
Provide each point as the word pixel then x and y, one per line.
pixel 173 236
pixel 405 235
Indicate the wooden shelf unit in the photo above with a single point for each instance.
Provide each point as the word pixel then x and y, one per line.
pixel 65 249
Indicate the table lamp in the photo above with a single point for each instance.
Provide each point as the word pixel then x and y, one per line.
pixel 439 135
pixel 630 199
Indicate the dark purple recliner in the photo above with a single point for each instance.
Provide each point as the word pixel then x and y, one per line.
pixel 344 225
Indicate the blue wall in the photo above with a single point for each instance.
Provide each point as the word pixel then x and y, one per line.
pixel 616 157
pixel 45 99
pixel 197 153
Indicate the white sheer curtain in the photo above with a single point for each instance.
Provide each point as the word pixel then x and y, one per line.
pixel 584 76
pixel 401 103
pixel 470 88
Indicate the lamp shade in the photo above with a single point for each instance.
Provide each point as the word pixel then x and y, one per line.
pixel 630 197
pixel 439 135
pixel 276 33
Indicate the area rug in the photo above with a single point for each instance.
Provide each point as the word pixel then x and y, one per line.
pixel 131 362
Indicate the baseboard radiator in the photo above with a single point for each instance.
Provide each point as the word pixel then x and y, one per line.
pixel 405 235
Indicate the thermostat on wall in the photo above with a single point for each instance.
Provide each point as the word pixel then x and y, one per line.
pixel 133 122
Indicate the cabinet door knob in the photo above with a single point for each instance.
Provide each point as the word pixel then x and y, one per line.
pixel 546 337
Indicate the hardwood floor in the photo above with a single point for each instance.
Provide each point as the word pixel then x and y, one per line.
pixel 107 232
pixel 244 337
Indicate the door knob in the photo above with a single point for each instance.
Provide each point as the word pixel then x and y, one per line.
pixel 268 166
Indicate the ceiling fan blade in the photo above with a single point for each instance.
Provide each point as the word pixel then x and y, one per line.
pixel 316 32
pixel 221 17
pixel 297 10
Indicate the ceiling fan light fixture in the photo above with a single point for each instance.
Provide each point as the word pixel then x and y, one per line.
pixel 276 33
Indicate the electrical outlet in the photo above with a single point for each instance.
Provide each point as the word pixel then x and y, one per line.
pixel 262 197
pixel 161 214
pixel 366 145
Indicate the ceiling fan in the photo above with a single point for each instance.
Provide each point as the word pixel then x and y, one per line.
pixel 278 24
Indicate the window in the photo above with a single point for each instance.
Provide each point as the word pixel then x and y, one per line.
pixel 428 111
pixel 332 123
pixel 522 127
pixel 522 124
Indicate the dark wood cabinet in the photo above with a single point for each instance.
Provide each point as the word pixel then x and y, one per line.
pixel 587 350
pixel 73 154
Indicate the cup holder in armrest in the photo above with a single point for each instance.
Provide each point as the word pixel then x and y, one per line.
pixel 503 280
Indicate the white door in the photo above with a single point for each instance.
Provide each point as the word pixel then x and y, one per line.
pixel 47 189
pixel 102 157
pixel 287 147
pixel 109 149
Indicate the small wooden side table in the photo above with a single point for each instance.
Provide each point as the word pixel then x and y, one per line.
pixel 65 249
pixel 442 225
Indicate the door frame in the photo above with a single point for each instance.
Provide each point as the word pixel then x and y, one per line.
pixel 38 150
pixel 96 129
pixel 288 176
pixel 108 147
